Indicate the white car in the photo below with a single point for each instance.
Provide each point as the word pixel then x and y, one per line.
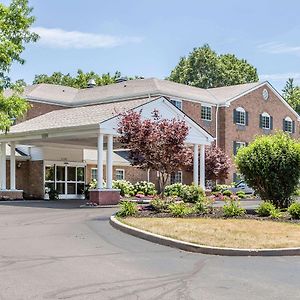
pixel 242 186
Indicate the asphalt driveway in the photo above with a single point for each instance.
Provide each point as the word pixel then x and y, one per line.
pixel 54 250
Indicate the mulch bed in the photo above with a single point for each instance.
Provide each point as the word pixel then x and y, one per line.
pixel 215 213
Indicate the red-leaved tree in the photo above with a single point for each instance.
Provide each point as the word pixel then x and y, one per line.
pixel 155 143
pixel 217 163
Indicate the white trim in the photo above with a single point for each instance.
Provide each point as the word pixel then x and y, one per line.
pixel 123 171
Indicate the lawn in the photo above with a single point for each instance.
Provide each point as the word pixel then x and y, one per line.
pixel 252 234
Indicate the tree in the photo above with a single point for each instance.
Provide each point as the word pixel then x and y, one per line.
pixel 80 80
pixel 15 22
pixel 291 93
pixel 217 164
pixel 156 143
pixel 271 166
pixel 204 68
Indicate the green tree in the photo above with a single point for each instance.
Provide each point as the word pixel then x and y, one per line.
pixel 204 68
pixel 15 23
pixel 291 93
pixel 80 80
pixel 271 166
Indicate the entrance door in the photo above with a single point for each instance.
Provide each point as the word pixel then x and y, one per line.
pixel 68 180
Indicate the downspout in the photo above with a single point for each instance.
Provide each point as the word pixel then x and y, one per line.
pixel 217 116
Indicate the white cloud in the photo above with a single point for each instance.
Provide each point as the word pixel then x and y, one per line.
pixel 279 48
pixel 279 76
pixel 59 38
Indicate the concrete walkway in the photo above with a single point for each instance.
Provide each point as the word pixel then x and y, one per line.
pixel 53 250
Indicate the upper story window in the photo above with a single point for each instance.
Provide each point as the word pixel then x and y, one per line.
pixel 240 117
pixel 177 103
pixel 176 177
pixel 288 125
pixel 206 113
pixel 120 174
pixel 266 121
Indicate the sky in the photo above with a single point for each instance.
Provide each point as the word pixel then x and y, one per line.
pixel 147 37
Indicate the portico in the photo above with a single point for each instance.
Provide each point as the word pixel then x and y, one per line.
pixel 95 127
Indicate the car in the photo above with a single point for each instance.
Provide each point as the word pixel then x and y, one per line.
pixel 242 186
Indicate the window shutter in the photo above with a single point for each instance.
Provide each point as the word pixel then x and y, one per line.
pixel 234 148
pixel 293 129
pixel 260 121
pixel 283 125
pixel 234 116
pixel 246 144
pixel 271 122
pixel 247 118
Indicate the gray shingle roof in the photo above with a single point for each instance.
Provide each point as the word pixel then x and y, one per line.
pixel 131 89
pixel 78 116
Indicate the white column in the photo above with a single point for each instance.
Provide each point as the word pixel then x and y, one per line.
pixel 12 166
pixel 202 166
pixel 109 164
pixel 100 161
pixel 196 165
pixel 3 166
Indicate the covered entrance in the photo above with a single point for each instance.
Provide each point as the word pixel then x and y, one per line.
pixel 67 178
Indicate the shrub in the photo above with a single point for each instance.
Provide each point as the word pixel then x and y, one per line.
pixel 127 209
pixel 275 213
pixel 144 187
pixel 222 187
pixel 125 187
pixel 159 205
pixel 265 209
pixel 294 210
pixel 191 193
pixel 241 194
pixel 174 189
pixel 53 194
pixel 271 166
pixel 227 193
pixel 178 209
pixel 232 208
pixel 203 205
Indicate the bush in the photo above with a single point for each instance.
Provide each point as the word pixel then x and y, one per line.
pixel 53 194
pixel 145 188
pixel 174 189
pixel 294 210
pixel 222 187
pixel 275 213
pixel 125 187
pixel 127 209
pixel 232 208
pixel 159 205
pixel 178 209
pixel 271 166
pixel 192 193
pixel 241 194
pixel 202 206
pixel 265 209
pixel 227 193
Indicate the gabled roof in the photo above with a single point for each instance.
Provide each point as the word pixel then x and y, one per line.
pixel 131 89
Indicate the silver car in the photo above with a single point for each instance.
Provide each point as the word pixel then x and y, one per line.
pixel 242 186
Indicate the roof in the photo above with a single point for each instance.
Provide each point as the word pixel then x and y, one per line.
pixel 75 117
pixel 131 89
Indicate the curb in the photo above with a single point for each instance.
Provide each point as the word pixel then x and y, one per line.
pixel 191 247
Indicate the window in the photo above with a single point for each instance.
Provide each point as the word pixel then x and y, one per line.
pixel 177 103
pixel 266 121
pixel 94 174
pixel 120 174
pixel 176 177
pixel 288 125
pixel 206 113
pixel 240 117
pixel 237 146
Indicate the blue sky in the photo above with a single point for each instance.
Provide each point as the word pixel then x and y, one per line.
pixel 147 37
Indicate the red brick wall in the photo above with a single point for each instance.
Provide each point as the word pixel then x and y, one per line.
pixel 255 105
